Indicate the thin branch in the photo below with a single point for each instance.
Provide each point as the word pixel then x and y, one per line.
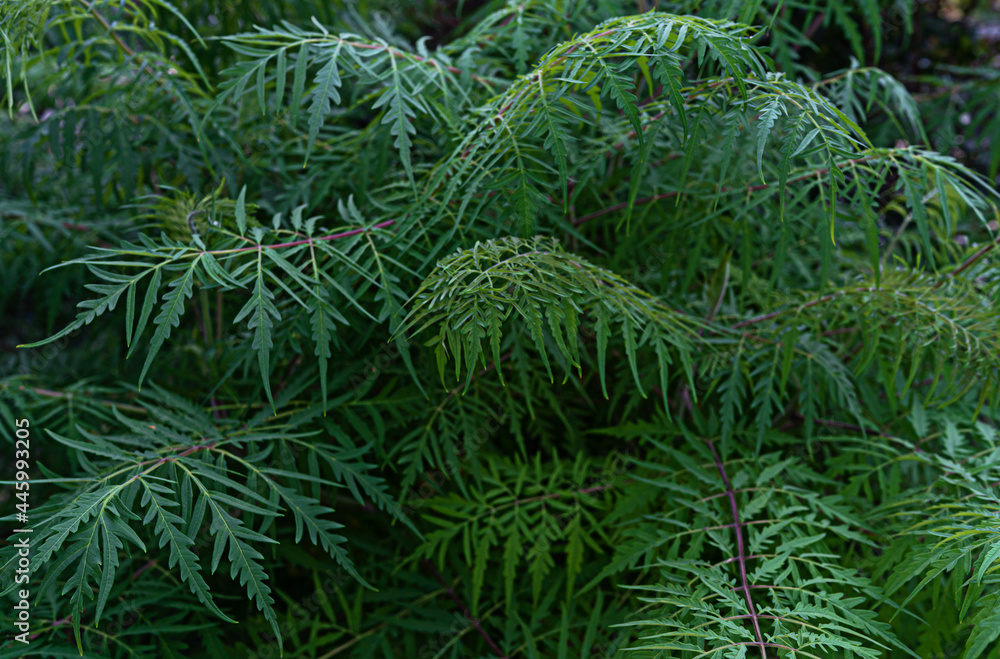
pixel 114 35
pixel 740 551
pixel 556 495
pixel 307 241
pixel 751 188
pixel 48 393
pixel 404 55
pixel 463 608
pixel 811 30
pixel 969 261
pixel 811 303
pixel 617 207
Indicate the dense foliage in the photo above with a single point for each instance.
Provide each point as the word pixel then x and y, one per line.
pixel 514 328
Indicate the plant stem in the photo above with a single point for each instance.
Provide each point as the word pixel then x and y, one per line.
pixel 740 551
pixel 465 611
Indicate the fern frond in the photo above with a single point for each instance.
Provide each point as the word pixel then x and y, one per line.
pixel 474 293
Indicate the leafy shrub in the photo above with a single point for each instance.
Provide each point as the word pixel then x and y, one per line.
pixel 543 329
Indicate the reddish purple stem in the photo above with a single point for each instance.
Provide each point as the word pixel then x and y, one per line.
pixel 307 241
pixel 740 552
pixel 465 611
